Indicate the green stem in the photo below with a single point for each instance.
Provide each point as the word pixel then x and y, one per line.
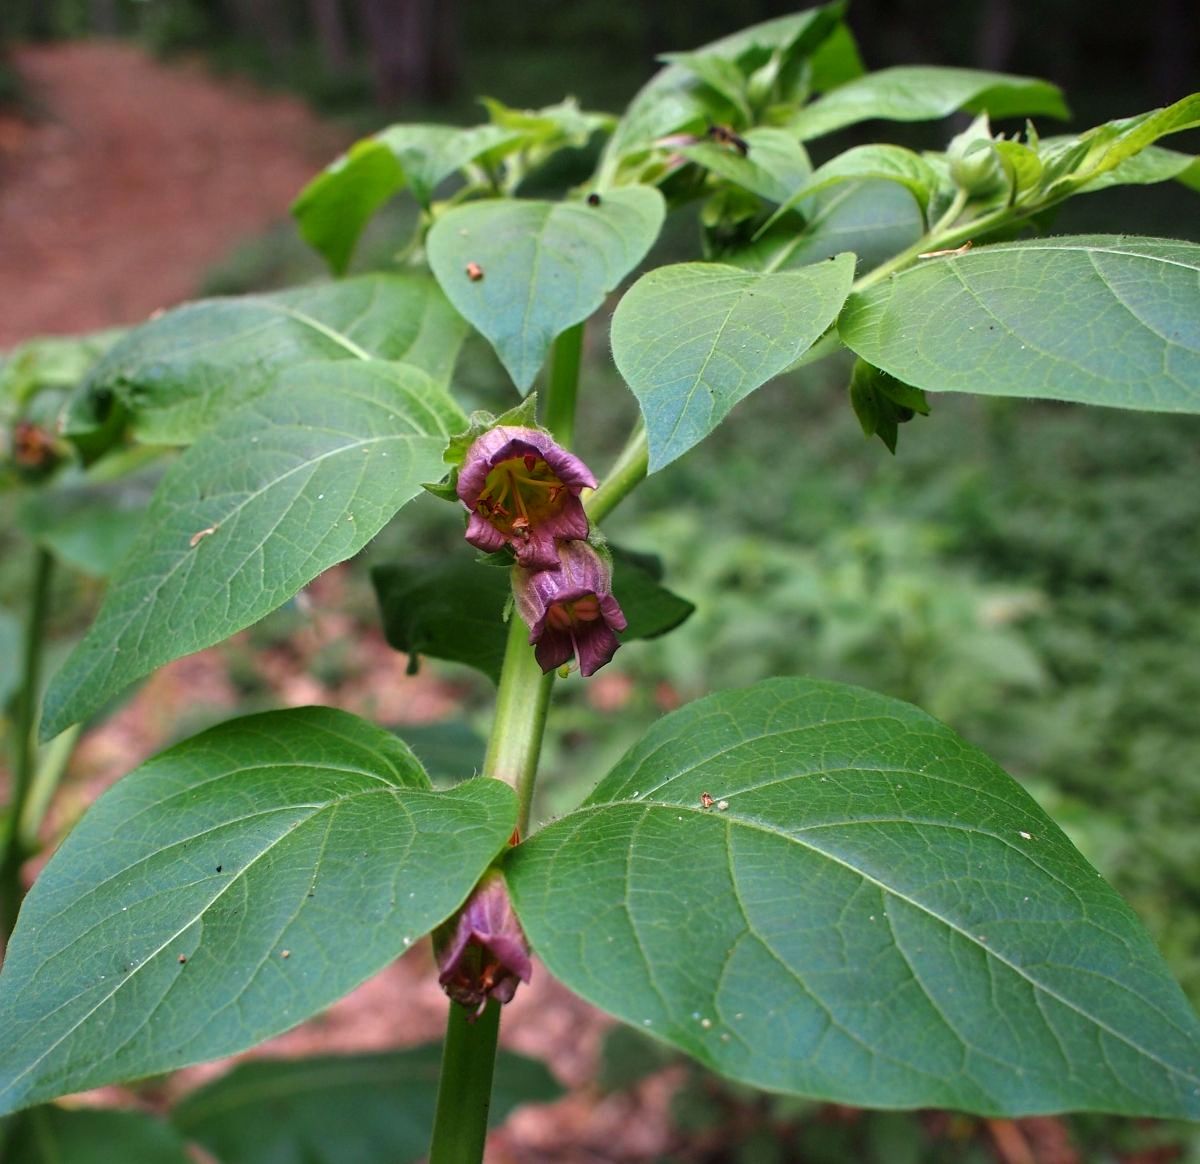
pixel 628 470
pixel 563 385
pixel 522 704
pixel 51 767
pixel 12 852
pixel 460 1123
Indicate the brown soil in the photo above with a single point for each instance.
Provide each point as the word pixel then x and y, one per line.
pixel 130 179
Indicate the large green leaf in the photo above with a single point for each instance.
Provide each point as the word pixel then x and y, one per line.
pixel 454 609
pixel 332 210
pixel 693 339
pixel 1097 319
pixel 280 490
pixel 542 266
pixel 873 220
pixel 369 1109
pixel 922 93
pixel 56 1135
pixel 180 373
pixel 228 889
pixel 870 911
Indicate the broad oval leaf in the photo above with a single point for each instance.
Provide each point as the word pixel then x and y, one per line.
pixel 873 220
pixel 523 271
pixel 290 484
pixel 1098 319
pixel 922 93
pixel 58 1135
pixel 332 210
pixel 775 166
pixel 180 373
pixel 880 163
pixel 228 889
pixel 369 1109
pixel 693 339
pixel 870 911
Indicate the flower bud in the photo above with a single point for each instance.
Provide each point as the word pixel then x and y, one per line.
pixel 570 612
pixel 482 953
pixel 523 491
pixel 975 164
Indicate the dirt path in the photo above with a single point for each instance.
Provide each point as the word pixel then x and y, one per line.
pixel 131 179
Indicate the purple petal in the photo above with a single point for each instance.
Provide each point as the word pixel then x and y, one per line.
pixel 597 645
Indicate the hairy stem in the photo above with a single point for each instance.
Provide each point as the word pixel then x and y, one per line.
pixel 12 852
pixel 460 1123
pixel 628 470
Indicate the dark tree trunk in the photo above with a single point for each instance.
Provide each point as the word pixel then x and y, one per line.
pixel 997 35
pixel 414 49
pixel 1174 45
pixel 330 25
pixel 104 17
pixel 269 20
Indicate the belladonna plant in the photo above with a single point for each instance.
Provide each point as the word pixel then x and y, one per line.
pixel 809 887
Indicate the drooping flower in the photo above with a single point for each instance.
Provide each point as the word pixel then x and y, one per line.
pixel 482 953
pixel 571 611
pixel 523 491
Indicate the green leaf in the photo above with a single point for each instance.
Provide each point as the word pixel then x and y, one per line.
pixel 870 912
pixel 450 751
pixel 721 74
pixel 370 1109
pixel 545 266
pixel 883 163
pixel 651 609
pixel 89 524
pixel 332 210
pixel 156 935
pixel 51 362
pixel 450 609
pixel 923 93
pixel 675 98
pixel 454 609
pixel 290 484
pixel 1154 164
pixel 873 220
pixel 1075 163
pixel 180 373
pixel 774 168
pixel 1098 319
pixel 693 339
pixel 55 1135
